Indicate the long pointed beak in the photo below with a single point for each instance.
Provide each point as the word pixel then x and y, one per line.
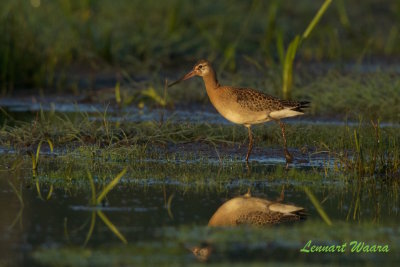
pixel 187 76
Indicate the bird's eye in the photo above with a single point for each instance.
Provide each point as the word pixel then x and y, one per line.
pixel 200 66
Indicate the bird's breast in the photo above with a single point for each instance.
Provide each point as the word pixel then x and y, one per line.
pixel 235 113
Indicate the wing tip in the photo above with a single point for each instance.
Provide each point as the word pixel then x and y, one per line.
pixel 302 105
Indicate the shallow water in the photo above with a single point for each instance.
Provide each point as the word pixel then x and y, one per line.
pixel 50 228
pixel 26 108
pixel 52 231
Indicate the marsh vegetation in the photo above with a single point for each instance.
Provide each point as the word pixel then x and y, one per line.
pixel 101 165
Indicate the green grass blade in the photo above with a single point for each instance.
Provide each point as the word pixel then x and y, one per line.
pixel 35 159
pixel 169 206
pixel 288 66
pixel 50 192
pixel 318 206
pixel 117 93
pixel 37 155
pixel 316 19
pixel 90 232
pixel 93 200
pixel 33 163
pixel 111 185
pixel 356 141
pixel 50 145
pixel 343 17
pixel 152 94
pixel 111 226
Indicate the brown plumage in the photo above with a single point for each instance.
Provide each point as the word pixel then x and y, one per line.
pixel 251 211
pixel 245 106
pixel 256 101
pixel 255 211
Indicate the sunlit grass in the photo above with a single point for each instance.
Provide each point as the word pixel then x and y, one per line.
pixel 291 51
pixel 364 150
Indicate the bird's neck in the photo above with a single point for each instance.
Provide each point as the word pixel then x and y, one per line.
pixel 210 80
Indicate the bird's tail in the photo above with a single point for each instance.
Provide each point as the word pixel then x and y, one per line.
pixel 301 105
pixel 296 105
pixel 303 214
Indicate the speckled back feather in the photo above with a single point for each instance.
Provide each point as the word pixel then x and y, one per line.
pixel 256 101
pixel 261 218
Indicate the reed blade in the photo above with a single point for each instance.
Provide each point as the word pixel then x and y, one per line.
pixel 318 206
pixel 316 18
pixel 111 226
pixel 90 232
pixel 111 185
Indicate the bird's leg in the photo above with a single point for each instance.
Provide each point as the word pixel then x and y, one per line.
pixel 250 143
pixel 248 168
pixel 288 157
pixel 282 195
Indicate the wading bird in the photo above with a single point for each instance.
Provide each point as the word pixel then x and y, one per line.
pixel 245 106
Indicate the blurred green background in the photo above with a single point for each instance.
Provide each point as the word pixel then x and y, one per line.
pixel 44 43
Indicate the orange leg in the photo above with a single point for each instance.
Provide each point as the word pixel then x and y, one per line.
pixel 250 143
pixel 282 195
pixel 288 157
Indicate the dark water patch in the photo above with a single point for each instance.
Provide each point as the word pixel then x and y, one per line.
pixel 165 216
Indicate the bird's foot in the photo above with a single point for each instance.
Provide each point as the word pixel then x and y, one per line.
pixel 248 194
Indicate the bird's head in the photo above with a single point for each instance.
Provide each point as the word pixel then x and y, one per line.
pixel 202 253
pixel 201 68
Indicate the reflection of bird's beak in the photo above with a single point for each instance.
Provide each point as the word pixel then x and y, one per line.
pixel 187 76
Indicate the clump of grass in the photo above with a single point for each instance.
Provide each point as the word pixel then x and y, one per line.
pixel 35 157
pixel 367 149
pixel 373 158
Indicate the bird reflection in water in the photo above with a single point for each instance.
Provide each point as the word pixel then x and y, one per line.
pixel 251 211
